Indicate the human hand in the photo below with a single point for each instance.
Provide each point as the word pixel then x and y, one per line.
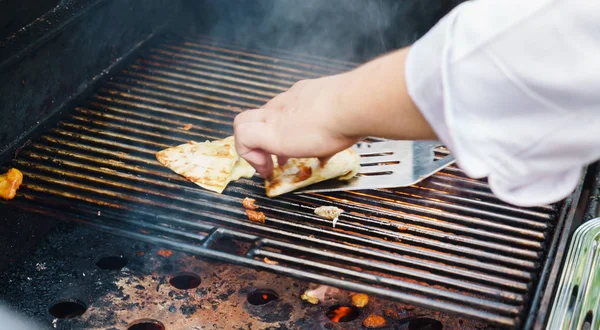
pixel 320 117
pixel 301 122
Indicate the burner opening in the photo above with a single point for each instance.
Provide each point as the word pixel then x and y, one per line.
pixel 67 309
pixel 342 313
pixel 425 323
pixel 146 324
pixel 262 297
pixel 112 262
pixel 185 281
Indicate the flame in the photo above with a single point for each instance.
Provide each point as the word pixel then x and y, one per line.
pixel 265 297
pixel 340 312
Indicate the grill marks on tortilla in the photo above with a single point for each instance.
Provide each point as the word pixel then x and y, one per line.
pixel 304 173
pixel 301 172
pixel 210 165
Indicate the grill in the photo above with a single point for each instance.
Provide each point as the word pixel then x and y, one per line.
pixel 446 244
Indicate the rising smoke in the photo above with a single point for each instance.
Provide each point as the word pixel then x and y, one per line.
pixel 353 30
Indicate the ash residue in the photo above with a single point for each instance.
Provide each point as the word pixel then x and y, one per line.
pixel 272 312
pixel 225 296
pixel 188 310
pixel 69 254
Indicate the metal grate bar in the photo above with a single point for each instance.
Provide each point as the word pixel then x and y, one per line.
pixel 446 243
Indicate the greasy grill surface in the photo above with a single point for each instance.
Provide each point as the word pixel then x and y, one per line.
pixel 446 243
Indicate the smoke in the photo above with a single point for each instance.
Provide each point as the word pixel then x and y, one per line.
pixel 353 30
pixel 11 320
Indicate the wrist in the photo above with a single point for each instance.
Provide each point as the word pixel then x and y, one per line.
pixel 374 101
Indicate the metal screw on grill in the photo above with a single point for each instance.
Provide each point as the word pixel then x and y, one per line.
pixel 146 324
pixel 67 309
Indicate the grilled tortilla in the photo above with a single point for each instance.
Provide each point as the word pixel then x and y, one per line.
pixel 301 172
pixel 210 165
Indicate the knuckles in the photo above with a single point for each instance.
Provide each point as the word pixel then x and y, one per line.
pixel 300 84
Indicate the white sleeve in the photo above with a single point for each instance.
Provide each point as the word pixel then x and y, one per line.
pixel 512 88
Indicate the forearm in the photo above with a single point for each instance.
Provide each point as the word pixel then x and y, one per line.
pixel 375 102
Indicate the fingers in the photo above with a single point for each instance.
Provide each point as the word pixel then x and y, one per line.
pixel 255 140
pixel 324 160
pixel 261 161
pixel 249 116
pixel 279 102
pixel 282 160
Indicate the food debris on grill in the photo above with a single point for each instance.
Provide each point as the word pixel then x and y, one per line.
pixel 315 295
pixel 309 299
pixel 249 203
pixel 402 227
pixel 210 165
pixel 255 216
pixel 165 253
pixel 374 322
pixel 270 262
pixel 388 312
pixel 187 127
pixel 360 300
pixel 329 212
pixel 18 150
pixel 10 183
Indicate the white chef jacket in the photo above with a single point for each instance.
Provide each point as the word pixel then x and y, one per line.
pixel 512 88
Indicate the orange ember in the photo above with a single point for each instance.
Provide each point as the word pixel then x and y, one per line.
pixel 165 253
pixel 340 312
pixel 265 297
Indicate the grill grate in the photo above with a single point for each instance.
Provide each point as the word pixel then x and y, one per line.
pixel 445 243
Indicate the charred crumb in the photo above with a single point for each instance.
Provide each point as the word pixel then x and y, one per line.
pixel 225 296
pixel 271 312
pixel 248 277
pixel 188 310
pixel 202 291
pixel 163 280
pixel 280 327
pixel 140 287
pixel 388 312
pixel 172 309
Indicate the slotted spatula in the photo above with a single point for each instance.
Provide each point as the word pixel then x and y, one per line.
pixel 388 164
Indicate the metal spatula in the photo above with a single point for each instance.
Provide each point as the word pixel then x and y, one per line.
pixel 388 164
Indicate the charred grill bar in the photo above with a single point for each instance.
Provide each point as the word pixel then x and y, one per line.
pixel 446 244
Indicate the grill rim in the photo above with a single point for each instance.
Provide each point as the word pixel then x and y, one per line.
pixel 538 320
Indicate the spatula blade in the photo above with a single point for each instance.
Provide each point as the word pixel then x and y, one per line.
pixel 388 164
